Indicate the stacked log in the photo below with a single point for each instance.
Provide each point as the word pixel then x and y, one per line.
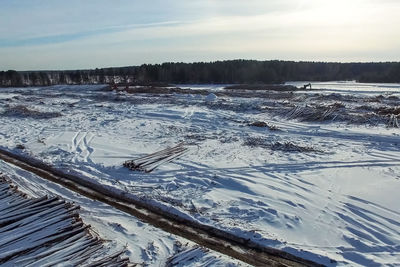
pixel 47 231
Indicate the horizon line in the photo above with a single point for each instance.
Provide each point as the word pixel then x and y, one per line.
pixel 208 62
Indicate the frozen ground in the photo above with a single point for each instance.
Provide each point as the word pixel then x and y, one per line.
pixel 323 188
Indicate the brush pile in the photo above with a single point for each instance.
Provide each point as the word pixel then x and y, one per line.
pixel 315 113
pixel 393 121
pixel 278 146
pixel 152 161
pixel 47 231
pixel 291 147
pixel 25 112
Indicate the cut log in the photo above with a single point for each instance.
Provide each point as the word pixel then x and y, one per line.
pixel 47 231
pixel 152 161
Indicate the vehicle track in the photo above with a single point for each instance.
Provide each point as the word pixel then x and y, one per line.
pixel 204 235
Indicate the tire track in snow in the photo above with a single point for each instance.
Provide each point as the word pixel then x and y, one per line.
pixel 81 147
pixel 88 148
pixel 205 235
pixel 74 143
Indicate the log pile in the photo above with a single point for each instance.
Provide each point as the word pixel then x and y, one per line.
pixel 47 231
pixel 152 161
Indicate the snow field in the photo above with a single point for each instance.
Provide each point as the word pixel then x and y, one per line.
pixel 338 202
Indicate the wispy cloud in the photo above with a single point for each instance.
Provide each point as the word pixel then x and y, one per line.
pixel 68 37
pixel 79 34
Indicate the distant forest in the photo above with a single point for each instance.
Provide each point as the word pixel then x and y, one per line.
pixel 219 72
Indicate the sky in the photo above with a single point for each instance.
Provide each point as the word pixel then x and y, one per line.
pixel 80 34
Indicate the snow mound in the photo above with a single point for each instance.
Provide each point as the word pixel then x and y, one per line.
pixel 211 97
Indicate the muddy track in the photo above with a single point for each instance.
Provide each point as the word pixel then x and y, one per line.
pixel 204 235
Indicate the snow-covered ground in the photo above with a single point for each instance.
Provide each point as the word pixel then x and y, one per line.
pixel 144 244
pixel 321 189
pixel 208 87
pixel 349 87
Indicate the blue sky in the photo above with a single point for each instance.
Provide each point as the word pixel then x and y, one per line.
pixel 54 34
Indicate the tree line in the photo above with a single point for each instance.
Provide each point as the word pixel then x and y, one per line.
pixel 222 72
